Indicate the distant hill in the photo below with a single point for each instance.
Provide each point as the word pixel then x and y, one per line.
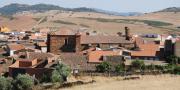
pixel 15 8
pixel 171 9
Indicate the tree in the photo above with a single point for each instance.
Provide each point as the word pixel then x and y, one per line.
pixel 103 67
pixel 5 83
pixel 172 59
pixel 119 68
pixel 177 70
pixel 23 82
pixel 45 78
pixel 151 67
pixel 63 70
pixel 56 77
pixel 137 64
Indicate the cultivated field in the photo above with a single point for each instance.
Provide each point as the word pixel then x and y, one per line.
pixel 159 82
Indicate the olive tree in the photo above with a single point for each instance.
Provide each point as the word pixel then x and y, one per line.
pixel 119 68
pixel 5 83
pixel 63 70
pixel 103 67
pixel 56 77
pixel 172 59
pixel 138 64
pixel 23 82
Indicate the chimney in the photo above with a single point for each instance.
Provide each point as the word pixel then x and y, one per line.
pixel 87 33
pixel 27 54
pixel 127 33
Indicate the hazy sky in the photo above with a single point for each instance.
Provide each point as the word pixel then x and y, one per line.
pixel 111 5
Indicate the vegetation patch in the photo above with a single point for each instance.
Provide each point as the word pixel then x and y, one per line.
pixel 83 25
pixel 64 22
pixel 151 23
pixel 131 21
pixel 43 20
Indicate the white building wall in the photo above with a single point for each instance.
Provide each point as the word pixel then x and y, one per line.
pixel 44 49
pixel 11 52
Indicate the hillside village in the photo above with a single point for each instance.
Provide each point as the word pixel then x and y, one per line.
pixel 37 53
pixel 50 52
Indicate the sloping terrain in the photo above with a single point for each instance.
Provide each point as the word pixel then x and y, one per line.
pixel 18 23
pixel 157 22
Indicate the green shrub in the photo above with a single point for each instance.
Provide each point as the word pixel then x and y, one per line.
pixel 170 68
pixel 172 59
pixel 63 70
pixel 23 82
pixel 103 67
pixel 5 83
pixel 56 77
pixel 151 67
pixel 137 64
pixel 45 78
pixel 119 68
pixel 177 70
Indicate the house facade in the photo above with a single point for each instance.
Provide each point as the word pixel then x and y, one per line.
pixel 67 40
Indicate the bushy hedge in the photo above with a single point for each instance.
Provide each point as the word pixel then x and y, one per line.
pixel 103 67
pixel 56 77
pixel 138 64
pixel 119 68
pixel 5 83
pixel 23 82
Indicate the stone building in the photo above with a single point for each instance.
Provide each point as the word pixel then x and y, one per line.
pixel 68 40
pixel 64 40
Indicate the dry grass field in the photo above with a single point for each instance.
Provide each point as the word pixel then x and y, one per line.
pixel 148 82
pixel 77 20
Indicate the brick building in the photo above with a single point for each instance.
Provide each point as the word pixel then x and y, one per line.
pixel 64 40
pixel 68 40
pixel 35 64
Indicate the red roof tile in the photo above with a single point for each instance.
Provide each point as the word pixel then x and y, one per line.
pixel 42 44
pixel 16 46
pixel 146 50
pixel 96 56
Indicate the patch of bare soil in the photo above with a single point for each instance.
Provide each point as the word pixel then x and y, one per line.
pixel 147 82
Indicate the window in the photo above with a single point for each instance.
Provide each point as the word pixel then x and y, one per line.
pixel 66 41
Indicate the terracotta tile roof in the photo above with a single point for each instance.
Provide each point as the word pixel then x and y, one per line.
pixel 16 46
pixel 139 40
pixel 42 44
pixel 146 50
pixel 39 55
pixel 96 56
pixel 88 50
pixel 33 36
pixel 103 39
